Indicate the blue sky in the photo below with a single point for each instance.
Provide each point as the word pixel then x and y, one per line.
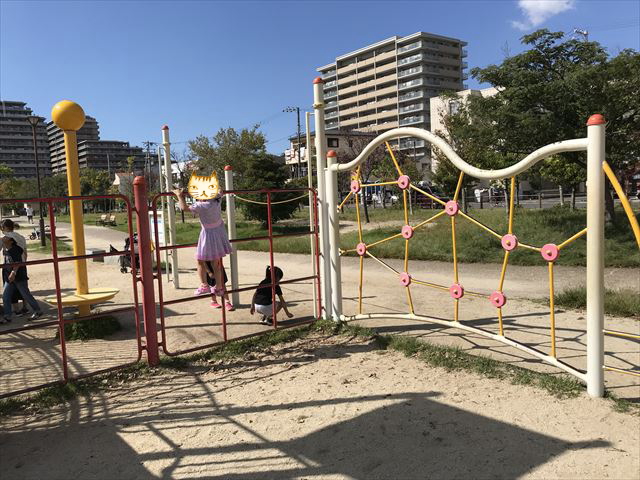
pixel 200 66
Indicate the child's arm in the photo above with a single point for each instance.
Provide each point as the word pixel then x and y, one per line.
pixel 284 306
pixel 181 201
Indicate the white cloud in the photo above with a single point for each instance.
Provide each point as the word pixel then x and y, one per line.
pixel 538 11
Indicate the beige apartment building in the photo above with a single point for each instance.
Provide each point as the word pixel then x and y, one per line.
pixel 389 84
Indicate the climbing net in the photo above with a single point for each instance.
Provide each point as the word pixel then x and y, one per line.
pixel 508 240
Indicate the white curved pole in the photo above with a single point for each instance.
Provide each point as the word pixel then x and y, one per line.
pixel 575 145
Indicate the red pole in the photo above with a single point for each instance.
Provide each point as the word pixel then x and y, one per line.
pixel 144 253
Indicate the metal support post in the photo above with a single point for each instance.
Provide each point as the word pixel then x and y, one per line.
pixel 231 229
pixel 331 184
pixel 146 271
pixel 171 208
pixel 321 152
pixel 595 255
pixel 162 209
pixel 312 242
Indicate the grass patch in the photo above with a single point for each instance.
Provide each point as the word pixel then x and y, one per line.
pixel 91 328
pixel 449 358
pixel 623 302
pixel 60 245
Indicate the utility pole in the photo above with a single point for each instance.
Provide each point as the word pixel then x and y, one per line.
pixel 297 110
pixel 147 165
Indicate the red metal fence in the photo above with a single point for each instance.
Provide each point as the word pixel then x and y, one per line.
pixel 146 276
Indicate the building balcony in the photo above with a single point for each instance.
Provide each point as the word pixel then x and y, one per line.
pixel 330 84
pixel 329 74
pixel 413 108
pixel 410 143
pixel 331 115
pixel 465 76
pixel 465 65
pixel 411 46
pixel 465 53
pixel 331 94
pixel 411 83
pixel 412 120
pixel 410 71
pixel 330 125
pixel 409 60
pixel 331 104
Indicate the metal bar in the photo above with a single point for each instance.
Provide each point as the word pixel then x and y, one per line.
pixel 620 370
pixel 231 228
pixel 316 253
pixel 436 199
pixel 573 238
pixel 56 274
pixel 273 273
pixel 595 255
pixel 621 334
pixel 552 313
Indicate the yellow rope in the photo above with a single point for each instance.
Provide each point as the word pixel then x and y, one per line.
pixel 621 334
pixel 358 218
pixel 620 370
pixel 382 263
pixel 455 254
pixel 429 220
pixel 384 240
pixel 393 157
pixel 575 237
pixel 380 184
pixel 272 203
pixel 428 284
pixel 345 200
pixel 360 286
pixel 458 187
pixel 624 201
pixel 500 326
pixel 406 212
pixel 504 270
pixel 410 300
pixel 436 199
pixel 473 220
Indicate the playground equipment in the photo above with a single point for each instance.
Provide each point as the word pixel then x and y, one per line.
pixel 69 117
pixel 597 167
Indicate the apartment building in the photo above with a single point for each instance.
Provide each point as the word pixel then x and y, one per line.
pixel 346 143
pixel 110 155
pixel 389 84
pixel 16 141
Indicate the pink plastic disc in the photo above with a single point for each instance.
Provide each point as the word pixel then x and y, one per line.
pixel 355 186
pixel 407 231
pixel 452 208
pixel 405 279
pixel 509 242
pixel 361 249
pixel 498 299
pixel 456 290
pixel 550 252
pixel 403 182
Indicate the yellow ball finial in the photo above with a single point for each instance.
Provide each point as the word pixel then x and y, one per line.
pixel 68 115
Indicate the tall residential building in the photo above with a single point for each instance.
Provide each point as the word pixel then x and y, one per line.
pixel 110 155
pixel 16 141
pixel 388 84
pixel 89 131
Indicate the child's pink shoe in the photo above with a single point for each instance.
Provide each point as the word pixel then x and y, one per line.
pixel 229 306
pixel 218 291
pixel 201 290
pixel 215 304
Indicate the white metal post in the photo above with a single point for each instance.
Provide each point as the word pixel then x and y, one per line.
pixel 231 228
pixel 312 240
pixel 331 184
pixel 162 205
pixel 171 209
pixel 321 152
pixel 595 255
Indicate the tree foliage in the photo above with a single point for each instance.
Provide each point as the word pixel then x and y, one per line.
pixel 545 95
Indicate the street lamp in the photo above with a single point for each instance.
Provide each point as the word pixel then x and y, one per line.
pixel 297 110
pixel 33 121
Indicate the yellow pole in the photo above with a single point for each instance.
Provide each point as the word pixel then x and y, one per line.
pixel 69 117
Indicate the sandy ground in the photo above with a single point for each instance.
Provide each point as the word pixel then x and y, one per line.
pixel 330 408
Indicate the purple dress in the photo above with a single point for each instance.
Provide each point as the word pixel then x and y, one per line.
pixel 213 242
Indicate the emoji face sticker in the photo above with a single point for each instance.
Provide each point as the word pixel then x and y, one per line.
pixel 203 188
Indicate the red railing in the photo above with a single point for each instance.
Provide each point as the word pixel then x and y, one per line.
pixel 61 321
pixel 316 277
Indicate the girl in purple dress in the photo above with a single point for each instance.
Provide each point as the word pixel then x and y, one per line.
pixel 213 243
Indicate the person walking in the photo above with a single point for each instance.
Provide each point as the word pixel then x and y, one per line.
pixel 15 278
pixel 29 211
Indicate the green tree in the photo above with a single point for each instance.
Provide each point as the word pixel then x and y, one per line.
pixel 547 93
pixel 265 171
pixel 227 147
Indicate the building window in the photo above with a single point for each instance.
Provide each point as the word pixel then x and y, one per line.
pixel 453 108
pixel 332 142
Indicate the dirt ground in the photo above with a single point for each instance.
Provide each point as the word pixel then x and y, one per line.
pixel 330 408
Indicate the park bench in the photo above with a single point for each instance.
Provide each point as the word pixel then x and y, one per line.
pixel 112 220
pixel 102 220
